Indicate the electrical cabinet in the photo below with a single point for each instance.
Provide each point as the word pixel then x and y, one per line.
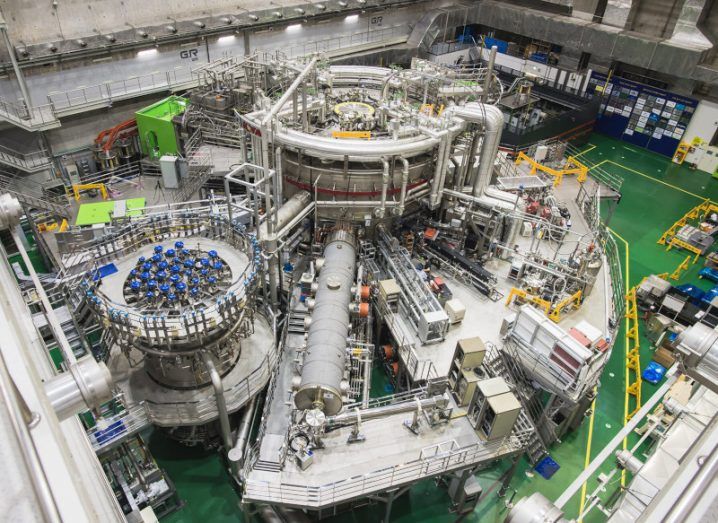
pixel 499 416
pixel 468 355
pixel 466 387
pixel 484 390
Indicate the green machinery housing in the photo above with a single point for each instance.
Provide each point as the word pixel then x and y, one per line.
pixel 155 127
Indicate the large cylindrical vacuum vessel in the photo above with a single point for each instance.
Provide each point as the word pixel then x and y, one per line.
pixel 324 363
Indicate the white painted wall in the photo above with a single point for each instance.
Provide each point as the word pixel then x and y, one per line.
pixel 704 122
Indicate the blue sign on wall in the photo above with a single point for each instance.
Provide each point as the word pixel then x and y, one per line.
pixel 640 114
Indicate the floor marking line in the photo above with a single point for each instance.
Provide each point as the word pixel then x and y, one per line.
pixel 674 187
pixel 591 148
pixel 625 344
pixel 587 460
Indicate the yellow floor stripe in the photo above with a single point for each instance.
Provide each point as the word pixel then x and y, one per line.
pixel 627 279
pixel 591 148
pixel 587 459
pixel 675 187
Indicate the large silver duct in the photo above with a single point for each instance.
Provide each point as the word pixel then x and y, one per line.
pixel 287 212
pixel 324 362
pixel 492 119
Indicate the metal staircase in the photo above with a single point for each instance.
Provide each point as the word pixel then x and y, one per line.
pixel 295 323
pixel 33 162
pixel 30 194
pixel 500 363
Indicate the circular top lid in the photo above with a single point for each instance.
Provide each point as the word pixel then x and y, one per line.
pixel 315 418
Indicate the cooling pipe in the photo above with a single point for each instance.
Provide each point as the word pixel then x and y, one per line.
pixel 492 119
pixel 350 417
pixel 325 359
pixel 287 212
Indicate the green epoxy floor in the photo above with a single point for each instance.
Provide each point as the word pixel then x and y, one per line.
pixel 655 194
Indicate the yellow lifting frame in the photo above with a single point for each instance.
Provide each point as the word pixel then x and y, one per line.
pixel 542 304
pixel 682 267
pixel 87 186
pixel 675 242
pixel 697 212
pixel 572 301
pixel 633 356
pixel 572 166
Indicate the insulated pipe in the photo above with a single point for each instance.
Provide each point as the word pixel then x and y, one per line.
pixel 384 187
pixel 278 182
pixel 236 453
pixel 404 183
pixel 365 150
pixel 434 198
pixel 324 362
pixel 226 432
pixel 489 74
pixel 493 121
pixel 351 416
pixel 286 213
pixel 87 384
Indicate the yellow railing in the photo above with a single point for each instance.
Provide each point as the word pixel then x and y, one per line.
pixel 573 301
pixel 542 304
pixel 696 213
pixel 633 356
pixel 88 186
pixel 572 166
pixel 554 314
pixel 676 242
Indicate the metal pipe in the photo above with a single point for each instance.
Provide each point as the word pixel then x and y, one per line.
pixel 236 453
pixel 434 198
pixel 226 432
pixel 404 183
pixel 288 93
pixel 489 74
pixel 617 439
pixel 16 68
pixel 324 364
pixel 55 327
pixel 278 180
pixel 492 119
pixel 38 478
pixel 384 187
pixel 350 417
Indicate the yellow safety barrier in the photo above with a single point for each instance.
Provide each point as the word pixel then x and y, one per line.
pixel 525 296
pixel 86 187
pixel 675 242
pixel 572 301
pixel 697 213
pixel 572 166
pixel 676 274
pixel 633 356
pixel 366 135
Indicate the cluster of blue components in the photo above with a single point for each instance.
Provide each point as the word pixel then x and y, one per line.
pixel 175 275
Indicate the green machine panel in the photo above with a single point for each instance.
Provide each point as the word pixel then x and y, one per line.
pixel 155 128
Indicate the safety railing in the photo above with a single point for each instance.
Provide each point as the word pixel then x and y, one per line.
pixel 433 460
pixel 38 117
pixel 106 92
pixel 28 162
pixel 111 430
pixel 327 45
pixel 167 414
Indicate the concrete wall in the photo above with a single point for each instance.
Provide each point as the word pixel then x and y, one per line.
pixel 179 59
pixel 704 122
pixel 32 21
